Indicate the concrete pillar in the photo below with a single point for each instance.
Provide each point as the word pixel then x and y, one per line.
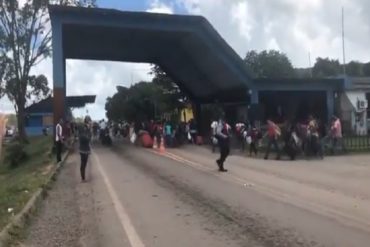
pixel 198 118
pixel 59 70
pixel 253 108
pixel 254 96
pixel 329 104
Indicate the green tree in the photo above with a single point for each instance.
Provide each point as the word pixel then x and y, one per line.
pixel 366 69
pixel 25 39
pixel 24 42
pixel 176 98
pixel 326 67
pixel 269 64
pixel 140 102
pixel 354 68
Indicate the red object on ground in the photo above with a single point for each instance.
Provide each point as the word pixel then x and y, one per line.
pixel 199 140
pixel 146 141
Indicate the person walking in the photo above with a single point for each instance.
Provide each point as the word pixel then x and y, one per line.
pixel 254 135
pixel 168 134
pixel 336 133
pixel 240 128
pixel 223 138
pixel 214 136
pixel 59 140
pixel 193 131
pixel 273 132
pixel 85 149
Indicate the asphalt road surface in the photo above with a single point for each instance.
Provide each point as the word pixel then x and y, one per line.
pixel 137 197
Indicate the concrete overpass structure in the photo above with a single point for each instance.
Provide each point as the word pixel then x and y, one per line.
pixel 187 48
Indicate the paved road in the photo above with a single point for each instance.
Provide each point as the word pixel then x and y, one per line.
pixel 142 198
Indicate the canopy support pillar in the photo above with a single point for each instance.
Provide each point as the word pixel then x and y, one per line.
pixel 59 71
pixel 330 104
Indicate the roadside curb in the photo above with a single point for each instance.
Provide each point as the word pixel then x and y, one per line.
pixel 20 220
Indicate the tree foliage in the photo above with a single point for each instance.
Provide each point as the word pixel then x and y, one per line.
pixel 24 43
pixel 25 40
pixel 142 101
pixel 325 67
pixel 366 69
pixel 146 100
pixel 354 68
pixel 269 64
pixel 175 96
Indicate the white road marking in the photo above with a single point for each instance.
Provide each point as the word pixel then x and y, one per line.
pixel 125 220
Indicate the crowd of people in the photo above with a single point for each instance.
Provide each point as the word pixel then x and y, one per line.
pixel 174 133
pixel 308 137
pixel 290 138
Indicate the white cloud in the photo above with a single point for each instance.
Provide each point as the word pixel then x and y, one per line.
pixel 241 18
pixel 6 106
pixel 101 79
pixel 92 77
pixel 294 27
pixel 22 2
pixel 157 6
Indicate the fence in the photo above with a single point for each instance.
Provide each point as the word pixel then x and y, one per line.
pixel 356 143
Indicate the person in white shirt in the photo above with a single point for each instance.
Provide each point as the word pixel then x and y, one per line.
pixel 102 129
pixel 103 125
pixel 59 139
pixel 213 137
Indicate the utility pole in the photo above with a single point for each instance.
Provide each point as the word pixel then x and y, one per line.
pixel 309 63
pixel 344 51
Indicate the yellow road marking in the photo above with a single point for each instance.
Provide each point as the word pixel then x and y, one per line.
pixel 204 168
pixel 124 218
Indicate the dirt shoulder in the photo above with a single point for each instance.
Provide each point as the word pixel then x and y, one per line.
pixel 66 217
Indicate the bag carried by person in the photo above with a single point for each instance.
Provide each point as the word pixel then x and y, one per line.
pixel 248 139
pixel 214 140
pixel 133 138
pixel 189 136
pixel 199 140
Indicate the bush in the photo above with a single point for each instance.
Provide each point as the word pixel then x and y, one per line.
pixel 15 154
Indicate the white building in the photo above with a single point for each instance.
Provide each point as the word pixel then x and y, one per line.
pixel 353 105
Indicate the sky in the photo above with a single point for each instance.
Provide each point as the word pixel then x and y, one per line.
pixel 296 28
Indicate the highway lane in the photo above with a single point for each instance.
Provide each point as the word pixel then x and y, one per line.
pixel 179 199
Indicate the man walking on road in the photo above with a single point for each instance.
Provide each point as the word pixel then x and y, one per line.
pixel 59 140
pixel 336 134
pixel 84 138
pixel 223 138
pixel 273 132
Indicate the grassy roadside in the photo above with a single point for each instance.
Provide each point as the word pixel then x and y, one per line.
pixel 17 185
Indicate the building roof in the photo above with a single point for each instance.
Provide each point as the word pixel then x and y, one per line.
pixel 299 84
pixel 187 48
pixel 46 105
pixel 360 83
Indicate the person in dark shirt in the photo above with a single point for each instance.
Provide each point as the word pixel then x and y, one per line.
pixel 223 138
pixel 85 149
pixel 254 136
